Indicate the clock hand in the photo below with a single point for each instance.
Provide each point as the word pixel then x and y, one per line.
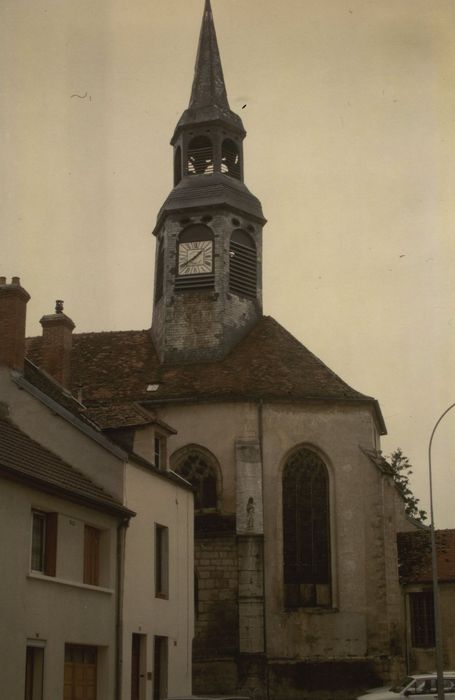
pixel 190 260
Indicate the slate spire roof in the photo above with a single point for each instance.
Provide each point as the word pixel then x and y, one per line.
pixel 208 84
pixel 209 101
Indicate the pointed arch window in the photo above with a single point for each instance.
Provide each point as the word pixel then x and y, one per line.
pixel 242 264
pixel 200 156
pixel 195 467
pixel 306 531
pixel 230 159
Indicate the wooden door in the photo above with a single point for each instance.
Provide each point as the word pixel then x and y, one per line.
pixel 80 672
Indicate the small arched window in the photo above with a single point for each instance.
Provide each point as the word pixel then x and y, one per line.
pixel 306 531
pixel 242 264
pixel 159 280
pixel 230 159
pixel 200 156
pixel 177 165
pixel 195 467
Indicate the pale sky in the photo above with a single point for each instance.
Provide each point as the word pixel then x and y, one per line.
pixel 350 113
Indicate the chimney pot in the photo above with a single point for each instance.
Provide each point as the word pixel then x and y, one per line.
pixel 16 281
pixel 2 280
pixel 57 343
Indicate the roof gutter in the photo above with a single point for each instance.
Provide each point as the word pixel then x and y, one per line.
pixel 217 398
pixel 116 509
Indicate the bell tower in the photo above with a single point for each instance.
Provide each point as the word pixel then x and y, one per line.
pixel 208 269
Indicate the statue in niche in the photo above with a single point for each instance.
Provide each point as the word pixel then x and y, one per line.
pixel 250 513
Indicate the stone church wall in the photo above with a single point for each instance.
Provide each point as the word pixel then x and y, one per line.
pixel 216 614
pixel 361 632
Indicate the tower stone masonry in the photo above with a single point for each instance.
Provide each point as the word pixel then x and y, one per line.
pixel 208 272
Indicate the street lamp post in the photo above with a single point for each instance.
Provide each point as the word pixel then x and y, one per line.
pixel 434 566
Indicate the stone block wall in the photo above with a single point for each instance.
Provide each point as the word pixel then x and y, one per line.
pixel 216 613
pixel 203 324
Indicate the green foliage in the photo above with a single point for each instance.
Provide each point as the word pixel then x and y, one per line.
pixel 401 468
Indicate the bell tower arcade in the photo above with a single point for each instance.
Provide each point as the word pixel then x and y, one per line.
pixel 208 270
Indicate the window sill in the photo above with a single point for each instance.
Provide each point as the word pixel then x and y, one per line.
pixel 63 582
pixel 162 596
pixel 312 610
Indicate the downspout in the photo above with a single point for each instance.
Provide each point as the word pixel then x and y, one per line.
pixel 406 628
pixel 121 540
pixel 261 452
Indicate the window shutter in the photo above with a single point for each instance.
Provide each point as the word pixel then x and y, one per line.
pixel 91 555
pixel 50 556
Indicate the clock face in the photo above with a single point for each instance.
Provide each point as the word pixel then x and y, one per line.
pixel 195 258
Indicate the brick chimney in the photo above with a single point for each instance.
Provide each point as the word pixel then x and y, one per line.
pixel 13 305
pixel 57 343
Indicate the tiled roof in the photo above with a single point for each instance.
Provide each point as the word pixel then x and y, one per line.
pixel 49 386
pixel 24 458
pixel 414 556
pixel 119 415
pixel 269 363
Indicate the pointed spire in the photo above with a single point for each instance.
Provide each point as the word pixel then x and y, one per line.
pixel 208 89
pixel 208 101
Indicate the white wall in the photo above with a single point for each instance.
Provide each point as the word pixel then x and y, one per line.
pixel 56 610
pixel 159 500
pixel 61 437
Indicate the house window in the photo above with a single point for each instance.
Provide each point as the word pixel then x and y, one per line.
pixel 306 531
pixel 34 667
pixel 80 672
pixel 161 561
pixel 92 538
pixel 196 469
pixel 422 619
pixel 44 542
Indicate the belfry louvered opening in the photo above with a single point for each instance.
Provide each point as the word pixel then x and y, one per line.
pixel 242 264
pixel 200 156
pixel 230 159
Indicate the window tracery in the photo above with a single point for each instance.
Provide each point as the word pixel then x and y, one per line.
pixel 306 531
pixel 195 467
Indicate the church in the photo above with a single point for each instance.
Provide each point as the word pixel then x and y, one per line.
pixel 296 588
